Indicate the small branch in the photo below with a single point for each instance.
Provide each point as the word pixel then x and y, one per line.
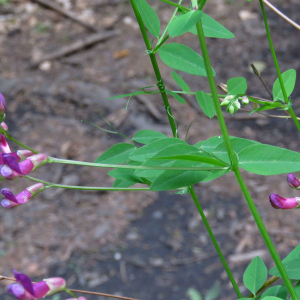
pixel 79 291
pixel 283 16
pixel 54 6
pixel 76 46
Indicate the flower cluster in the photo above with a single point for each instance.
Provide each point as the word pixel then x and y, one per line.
pixel 24 289
pixel 17 164
pixel 287 203
pixel 233 104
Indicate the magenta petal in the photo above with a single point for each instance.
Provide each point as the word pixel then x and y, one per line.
pixel 25 281
pixel 3 144
pixel 9 195
pixel 23 197
pixel 26 166
pixel 40 289
pixel 12 162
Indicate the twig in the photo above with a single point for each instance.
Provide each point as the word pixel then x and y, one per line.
pixel 80 291
pixel 56 7
pixel 76 46
pixel 283 16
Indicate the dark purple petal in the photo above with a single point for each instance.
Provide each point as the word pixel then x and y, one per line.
pixel 283 203
pixel 12 162
pixel 293 181
pixel 40 289
pixel 10 287
pixel 13 154
pixel 9 195
pixel 25 281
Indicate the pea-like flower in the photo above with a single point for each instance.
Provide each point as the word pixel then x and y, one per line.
pixel 12 169
pixel 24 289
pixel 284 203
pixel 293 181
pixel 12 200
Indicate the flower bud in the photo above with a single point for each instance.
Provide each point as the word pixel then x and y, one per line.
pixel 237 104
pixel 4 126
pixel 2 107
pixel 284 203
pixel 229 97
pixel 4 144
pixel 38 160
pixel 293 181
pixel 225 102
pixel 245 100
pixel 231 109
pixel 55 284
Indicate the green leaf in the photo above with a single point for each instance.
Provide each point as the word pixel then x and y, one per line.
pixel 236 86
pixel 206 103
pixel 295 253
pixel 175 150
pixel 154 147
pixel 119 183
pixel 264 159
pixel 182 58
pixel 210 144
pixel 292 268
pixel 149 17
pixel 199 144
pixel 213 292
pixel 147 136
pixel 279 291
pixel 171 180
pixel 181 83
pixel 296 289
pixel 184 22
pixel 176 96
pixel 213 29
pixel 255 275
pixel 117 154
pixel 215 175
pixel 289 80
pixel 125 174
pixel 238 145
pixel 198 157
pixel 152 174
pixel 271 298
pixel 194 294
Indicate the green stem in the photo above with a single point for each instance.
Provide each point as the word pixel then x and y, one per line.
pixel 70 293
pixel 212 237
pixel 235 167
pixel 202 4
pixel 89 164
pixel 2 131
pixel 160 83
pixel 175 4
pixel 285 96
pixel 88 188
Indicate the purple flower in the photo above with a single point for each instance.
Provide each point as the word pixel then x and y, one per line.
pixel 293 181
pixel 12 169
pixel 284 203
pixel 11 200
pixel 2 107
pixel 24 289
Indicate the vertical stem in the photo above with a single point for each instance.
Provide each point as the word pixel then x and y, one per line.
pixel 172 123
pixel 291 111
pixel 235 167
pixel 213 239
pixel 160 82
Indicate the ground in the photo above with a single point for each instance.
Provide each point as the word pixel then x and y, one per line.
pixel 142 245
